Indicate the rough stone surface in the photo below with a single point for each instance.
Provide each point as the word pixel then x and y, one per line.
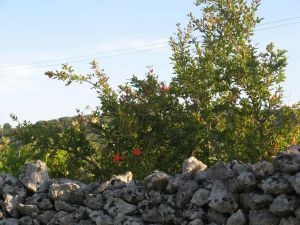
pixel 237 218
pixel 266 193
pixel 35 176
pixel 192 165
pixel 262 217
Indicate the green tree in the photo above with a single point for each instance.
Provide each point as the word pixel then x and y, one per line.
pixel 224 101
pixel 233 88
pixel 62 144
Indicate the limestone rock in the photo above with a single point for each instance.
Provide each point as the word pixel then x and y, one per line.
pixel 9 221
pixel 116 205
pixel 28 210
pixel 200 197
pixel 289 221
pixel 35 176
pixel 288 161
pixel 67 190
pixel 276 185
pixel 263 169
pixel 221 199
pixel 127 220
pixel 244 181
pixel 156 181
pixel 192 165
pixel 10 204
pixel 196 222
pixel 252 200
pixel 116 182
pixel 100 218
pixel 283 205
pixel 63 206
pixel 262 217
pixel 94 201
pixel 149 212
pixel 237 218
pixel 216 217
pixel 133 192
pixel 295 182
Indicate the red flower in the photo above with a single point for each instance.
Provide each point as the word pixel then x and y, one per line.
pixel 294 141
pixel 117 157
pixel 137 152
pixel 165 88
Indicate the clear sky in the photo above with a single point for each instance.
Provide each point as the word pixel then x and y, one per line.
pixel 48 33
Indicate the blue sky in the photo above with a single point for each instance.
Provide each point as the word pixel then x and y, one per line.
pixel 39 31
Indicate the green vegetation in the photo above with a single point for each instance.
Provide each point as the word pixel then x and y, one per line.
pixel 224 102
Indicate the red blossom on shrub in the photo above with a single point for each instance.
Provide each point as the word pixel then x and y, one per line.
pixel 165 88
pixel 117 157
pixel 137 152
pixel 294 141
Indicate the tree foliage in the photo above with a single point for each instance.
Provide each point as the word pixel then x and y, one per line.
pixel 224 102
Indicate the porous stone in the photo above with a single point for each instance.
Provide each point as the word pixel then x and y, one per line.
pixel 127 220
pixel 10 204
pixel 192 165
pixel 237 218
pixel 216 217
pixel 9 221
pixel 276 186
pixel 35 176
pixel 94 201
pixel 149 211
pixel 283 205
pixel 196 222
pixel 67 190
pixel 253 200
pixel 289 221
pixel 244 181
pixel 288 161
pixel 28 210
pixel 101 218
pixel 221 199
pixel 263 169
pixel 116 182
pixel 116 205
pixel 200 197
pixel 225 194
pixel 156 181
pixel 133 192
pixel 262 217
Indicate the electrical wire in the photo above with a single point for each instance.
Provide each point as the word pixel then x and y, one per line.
pixel 82 60
pixel 283 25
pixel 278 21
pixel 101 54
pixel 127 51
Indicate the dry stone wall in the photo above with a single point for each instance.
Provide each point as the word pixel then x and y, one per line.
pixel 265 193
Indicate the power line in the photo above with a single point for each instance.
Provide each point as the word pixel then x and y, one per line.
pixel 283 25
pixel 278 21
pixel 71 59
pixel 82 60
pixel 108 54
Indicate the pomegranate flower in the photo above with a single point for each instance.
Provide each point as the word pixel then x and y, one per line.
pixel 165 88
pixel 116 157
pixel 294 141
pixel 137 152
